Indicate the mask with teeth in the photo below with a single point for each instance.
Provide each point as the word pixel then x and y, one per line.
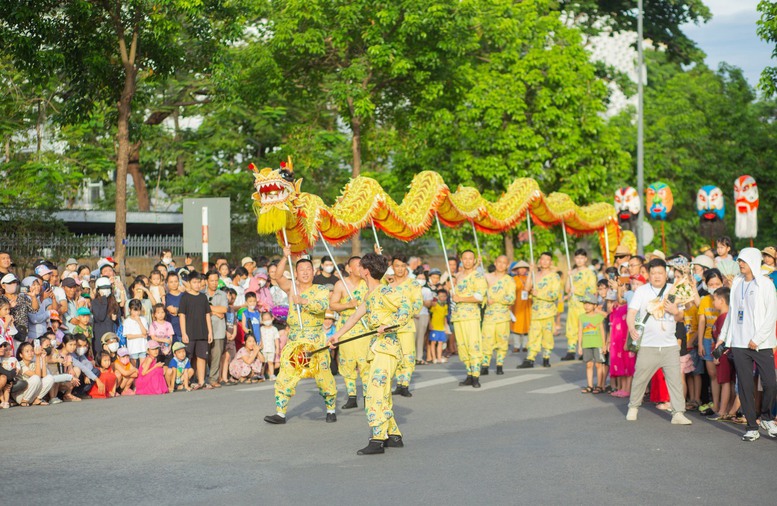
pixel 275 196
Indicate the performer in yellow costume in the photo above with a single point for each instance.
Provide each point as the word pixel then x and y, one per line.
pixel 496 321
pixel 347 295
pixel 469 293
pixel 407 288
pixel 581 285
pixel 313 301
pixel 545 293
pixel 383 306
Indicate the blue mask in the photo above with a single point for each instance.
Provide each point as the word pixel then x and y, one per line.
pixel 697 277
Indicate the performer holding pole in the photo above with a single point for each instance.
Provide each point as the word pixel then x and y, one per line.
pixel 409 290
pixel 312 302
pixel 496 321
pixel 470 291
pixel 581 286
pixel 383 306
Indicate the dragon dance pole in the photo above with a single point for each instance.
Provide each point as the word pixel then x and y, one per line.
pixel 293 278
pixel 531 245
pixel 477 243
pixel 444 252
pixel 350 295
pixel 569 263
pixel 606 245
pixel 375 234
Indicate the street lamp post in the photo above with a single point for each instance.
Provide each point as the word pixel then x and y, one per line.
pixel 640 129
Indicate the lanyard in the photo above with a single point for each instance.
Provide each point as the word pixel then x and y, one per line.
pixel 744 289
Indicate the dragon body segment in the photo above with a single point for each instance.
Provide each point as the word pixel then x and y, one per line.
pixel 280 204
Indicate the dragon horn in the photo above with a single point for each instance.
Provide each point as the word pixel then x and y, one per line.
pixel 289 165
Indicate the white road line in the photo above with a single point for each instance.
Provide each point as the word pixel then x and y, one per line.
pixel 503 383
pixel 431 383
pixel 557 389
pixel 258 389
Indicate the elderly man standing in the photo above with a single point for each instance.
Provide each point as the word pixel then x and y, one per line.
pixel 652 321
pixel 749 332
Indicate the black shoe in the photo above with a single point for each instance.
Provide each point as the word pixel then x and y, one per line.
pixel 405 392
pixel 484 371
pixel 545 362
pixel 499 370
pixel 475 382
pixel 351 403
pixel 393 441
pixel 524 349
pixel 275 419
pixel 375 447
pixel 397 390
pixel 467 382
pixel 331 418
pixel 527 364
pixel 569 356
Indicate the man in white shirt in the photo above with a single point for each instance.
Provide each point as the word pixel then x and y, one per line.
pixel 749 332
pixel 653 308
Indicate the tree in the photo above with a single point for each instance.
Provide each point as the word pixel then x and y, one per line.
pixel 767 31
pixel 102 49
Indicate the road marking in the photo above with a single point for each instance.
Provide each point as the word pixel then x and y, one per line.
pixel 503 383
pixel 271 386
pixel 431 383
pixel 557 389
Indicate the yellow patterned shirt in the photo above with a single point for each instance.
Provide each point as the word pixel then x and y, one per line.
pixel 583 283
pixel 545 297
pixel 502 296
pixel 387 306
pixel 411 291
pixel 313 312
pixel 358 294
pixel 473 283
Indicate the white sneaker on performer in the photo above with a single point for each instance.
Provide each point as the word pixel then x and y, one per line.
pixel 680 419
pixel 631 415
pixel 770 427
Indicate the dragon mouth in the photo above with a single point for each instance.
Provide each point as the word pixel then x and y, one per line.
pixel 273 192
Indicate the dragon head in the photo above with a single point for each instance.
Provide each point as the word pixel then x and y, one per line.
pixel 275 196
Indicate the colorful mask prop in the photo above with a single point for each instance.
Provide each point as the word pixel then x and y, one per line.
pixel 660 201
pixel 746 203
pixel 711 207
pixel 628 205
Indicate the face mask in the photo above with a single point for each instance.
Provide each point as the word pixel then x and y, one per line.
pixel 112 347
pixel 48 350
pixel 697 277
pixel 420 282
pixel 11 289
pixel 124 360
pixel 251 307
pixel 711 290
pixel 81 350
pixel 245 283
pixel 267 323
pixel 167 261
pixel 105 292
pixel 262 282
pixel 329 269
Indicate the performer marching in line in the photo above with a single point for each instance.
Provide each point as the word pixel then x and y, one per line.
pixel 313 301
pixel 581 285
pixel 383 305
pixel 409 290
pixel 496 321
pixel 545 294
pixel 347 295
pixel 469 292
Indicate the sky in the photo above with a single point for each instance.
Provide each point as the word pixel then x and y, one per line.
pixel 730 37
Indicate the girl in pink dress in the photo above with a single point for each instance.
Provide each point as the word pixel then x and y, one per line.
pixel 248 361
pixel 151 374
pixel 621 361
pixel 161 331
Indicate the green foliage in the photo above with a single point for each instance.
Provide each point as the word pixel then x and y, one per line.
pixel 767 31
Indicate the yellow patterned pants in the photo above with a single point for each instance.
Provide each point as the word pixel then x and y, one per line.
pixel 288 377
pixel 496 336
pixel 468 341
pixel 407 363
pixel 575 309
pixel 352 363
pixel 540 337
pixel 378 403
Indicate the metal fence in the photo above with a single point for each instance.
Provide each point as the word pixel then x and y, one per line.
pixel 88 246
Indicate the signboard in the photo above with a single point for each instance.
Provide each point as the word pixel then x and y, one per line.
pixel 219 236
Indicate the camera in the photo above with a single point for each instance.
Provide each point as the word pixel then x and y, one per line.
pixel 719 351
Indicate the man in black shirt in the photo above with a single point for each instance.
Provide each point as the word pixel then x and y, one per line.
pixel 325 276
pixel 196 330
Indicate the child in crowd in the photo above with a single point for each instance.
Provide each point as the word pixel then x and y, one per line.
pixel 269 342
pixel 230 348
pixel 179 371
pixel 248 361
pixel 151 373
pixel 84 319
pixel 161 331
pixel 157 288
pixel 724 369
pixel 9 372
pixel 7 329
pixel 590 342
pixel 136 331
pixel 55 324
pixel 107 376
pixel 32 363
pixel 708 315
pixel 252 317
pixel 724 247
pixel 437 324
pixel 126 372
pixel 140 293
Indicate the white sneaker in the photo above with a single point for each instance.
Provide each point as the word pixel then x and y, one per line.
pixel 770 427
pixel 272 377
pixel 680 419
pixel 751 435
pixel 631 415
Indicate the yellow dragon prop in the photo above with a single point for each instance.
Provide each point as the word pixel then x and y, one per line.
pixel 279 203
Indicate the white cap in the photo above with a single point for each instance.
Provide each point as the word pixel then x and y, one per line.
pixel 704 261
pixel 102 282
pixel 8 279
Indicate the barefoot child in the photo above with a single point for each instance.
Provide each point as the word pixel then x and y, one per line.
pixel 591 340
pixel 107 376
pixel 248 361
pixel 126 373
pixel 179 372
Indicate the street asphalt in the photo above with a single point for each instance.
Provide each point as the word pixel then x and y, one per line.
pixel 528 437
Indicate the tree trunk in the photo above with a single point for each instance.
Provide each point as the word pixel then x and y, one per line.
pixel 509 246
pixel 133 168
pixel 356 168
pixel 122 160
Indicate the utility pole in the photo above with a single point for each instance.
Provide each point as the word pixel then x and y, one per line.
pixel 640 130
